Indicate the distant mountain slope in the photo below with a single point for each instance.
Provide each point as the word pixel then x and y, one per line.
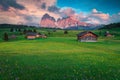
pixel 111 26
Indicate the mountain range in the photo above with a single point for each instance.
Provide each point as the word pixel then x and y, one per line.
pixel 63 23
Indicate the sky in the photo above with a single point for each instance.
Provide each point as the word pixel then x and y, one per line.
pixel 107 6
pixel 30 12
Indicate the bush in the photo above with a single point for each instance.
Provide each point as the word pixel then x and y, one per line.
pixel 65 32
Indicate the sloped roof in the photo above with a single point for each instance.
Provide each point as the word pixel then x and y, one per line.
pixel 85 32
pixel 30 34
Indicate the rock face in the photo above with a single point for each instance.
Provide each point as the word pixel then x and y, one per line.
pixel 48 21
pixel 70 22
pixel 66 22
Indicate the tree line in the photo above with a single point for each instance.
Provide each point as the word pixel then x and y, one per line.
pixel 112 25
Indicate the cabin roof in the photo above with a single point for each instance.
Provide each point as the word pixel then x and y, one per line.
pixel 85 32
pixel 30 34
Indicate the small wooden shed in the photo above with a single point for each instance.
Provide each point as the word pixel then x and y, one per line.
pixel 13 36
pixel 108 34
pixel 87 36
pixel 30 35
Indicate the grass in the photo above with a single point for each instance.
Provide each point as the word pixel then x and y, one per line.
pixel 59 58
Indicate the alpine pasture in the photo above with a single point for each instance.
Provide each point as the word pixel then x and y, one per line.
pixel 60 57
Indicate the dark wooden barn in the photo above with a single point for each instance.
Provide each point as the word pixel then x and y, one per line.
pixel 87 36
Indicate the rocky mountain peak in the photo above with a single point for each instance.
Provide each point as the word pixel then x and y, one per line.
pixel 47 16
pixel 47 21
pixel 66 22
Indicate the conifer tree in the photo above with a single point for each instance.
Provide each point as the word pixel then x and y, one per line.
pixel 5 37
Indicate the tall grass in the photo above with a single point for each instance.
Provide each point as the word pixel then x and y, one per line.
pixel 59 57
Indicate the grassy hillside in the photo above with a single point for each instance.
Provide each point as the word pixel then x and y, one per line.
pixel 111 26
pixel 60 57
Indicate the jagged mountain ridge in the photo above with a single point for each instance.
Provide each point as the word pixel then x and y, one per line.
pixel 48 21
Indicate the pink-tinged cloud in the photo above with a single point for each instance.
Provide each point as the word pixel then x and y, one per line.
pixel 31 12
pixel 11 16
pixel 65 12
pixel 94 11
pixel 94 17
pixel 98 17
pixel 36 3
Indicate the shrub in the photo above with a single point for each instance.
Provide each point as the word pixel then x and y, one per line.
pixel 65 32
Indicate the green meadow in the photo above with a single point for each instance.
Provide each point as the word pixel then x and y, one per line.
pixel 60 57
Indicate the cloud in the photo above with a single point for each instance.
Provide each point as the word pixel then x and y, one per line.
pixel 97 17
pixel 101 16
pixel 43 6
pixel 37 3
pixel 66 11
pixel 94 17
pixel 94 11
pixel 115 18
pixel 5 4
pixel 30 12
pixel 53 8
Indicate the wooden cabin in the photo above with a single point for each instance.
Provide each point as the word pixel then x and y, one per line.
pixel 38 35
pixel 13 37
pixel 87 36
pixel 30 35
pixel 108 34
pixel 43 36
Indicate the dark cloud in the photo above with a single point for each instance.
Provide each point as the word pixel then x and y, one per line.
pixel 53 9
pixel 28 18
pixel 43 6
pixel 10 3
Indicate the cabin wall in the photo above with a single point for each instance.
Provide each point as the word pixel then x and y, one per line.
pixel 87 38
pixel 31 37
pixel 83 40
pixel 37 36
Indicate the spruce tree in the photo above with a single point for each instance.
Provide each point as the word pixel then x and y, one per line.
pixel 19 30
pixel 11 30
pixel 24 31
pixel 34 30
pixel 5 37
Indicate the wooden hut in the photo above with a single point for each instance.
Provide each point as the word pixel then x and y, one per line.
pixel 30 35
pixel 87 36
pixel 43 36
pixel 13 37
pixel 108 34
pixel 38 35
